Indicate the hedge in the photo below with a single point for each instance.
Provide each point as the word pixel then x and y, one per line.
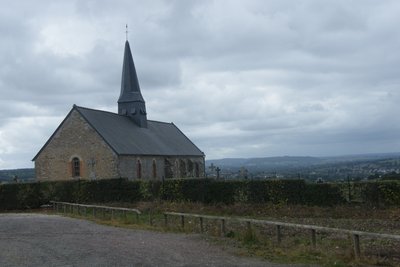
pixel 384 193
pixel 208 191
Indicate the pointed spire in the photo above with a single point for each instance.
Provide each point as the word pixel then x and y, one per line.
pixel 131 102
pixel 130 90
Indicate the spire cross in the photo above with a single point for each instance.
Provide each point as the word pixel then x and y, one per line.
pixel 126 31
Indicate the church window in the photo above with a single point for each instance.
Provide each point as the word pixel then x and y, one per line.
pixel 182 168
pixel 154 169
pixel 76 167
pixel 138 169
pixel 168 169
pixel 190 168
pixel 197 169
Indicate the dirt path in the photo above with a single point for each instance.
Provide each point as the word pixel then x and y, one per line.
pixel 50 240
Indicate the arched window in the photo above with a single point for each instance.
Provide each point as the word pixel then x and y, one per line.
pixel 154 169
pixel 76 167
pixel 190 168
pixel 168 169
pixel 182 169
pixel 197 169
pixel 138 169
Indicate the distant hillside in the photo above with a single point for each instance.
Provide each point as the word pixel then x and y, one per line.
pixel 294 162
pixel 367 166
pixel 22 174
pixel 256 164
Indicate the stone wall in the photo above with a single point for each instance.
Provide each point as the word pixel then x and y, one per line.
pixel 76 138
pixel 159 167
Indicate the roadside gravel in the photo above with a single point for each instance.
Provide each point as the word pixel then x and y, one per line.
pixel 51 240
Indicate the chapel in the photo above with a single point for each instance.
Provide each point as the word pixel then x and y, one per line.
pixel 96 144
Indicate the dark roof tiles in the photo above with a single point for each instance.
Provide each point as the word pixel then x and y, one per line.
pixel 126 138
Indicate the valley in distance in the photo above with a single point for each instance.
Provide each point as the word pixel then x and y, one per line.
pixel 382 166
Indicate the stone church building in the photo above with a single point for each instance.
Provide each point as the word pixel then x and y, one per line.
pixel 96 144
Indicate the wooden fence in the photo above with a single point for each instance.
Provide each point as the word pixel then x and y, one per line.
pixel 82 209
pixel 312 228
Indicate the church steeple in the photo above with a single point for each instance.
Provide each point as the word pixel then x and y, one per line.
pixel 131 102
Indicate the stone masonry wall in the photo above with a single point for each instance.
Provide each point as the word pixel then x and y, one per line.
pixel 165 167
pixel 76 138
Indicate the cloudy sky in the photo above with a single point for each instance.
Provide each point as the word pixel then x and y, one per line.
pixel 240 78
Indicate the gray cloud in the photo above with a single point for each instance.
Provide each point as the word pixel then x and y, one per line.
pixel 241 79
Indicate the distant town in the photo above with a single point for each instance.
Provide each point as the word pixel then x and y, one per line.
pixel 318 169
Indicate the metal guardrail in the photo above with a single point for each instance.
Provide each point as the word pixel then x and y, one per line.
pixel 95 208
pixel 313 228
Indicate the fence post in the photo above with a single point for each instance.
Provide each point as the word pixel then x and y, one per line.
pixel 137 217
pixel 112 214
pixel 183 222
pixel 278 233
pixel 248 224
pixel 54 206
pixel 65 208
pixel 94 212
pixel 201 225
pixel 165 220
pixel 357 251
pixel 150 219
pixel 313 238
pixel 223 227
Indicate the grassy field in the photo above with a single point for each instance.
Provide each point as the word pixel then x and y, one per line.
pixel 295 247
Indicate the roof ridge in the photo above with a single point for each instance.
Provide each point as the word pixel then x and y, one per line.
pixel 161 122
pixel 105 111
pixel 99 110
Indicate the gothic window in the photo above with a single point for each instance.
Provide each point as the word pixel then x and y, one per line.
pixel 154 169
pixel 168 169
pixel 197 169
pixel 138 169
pixel 76 167
pixel 182 169
pixel 190 168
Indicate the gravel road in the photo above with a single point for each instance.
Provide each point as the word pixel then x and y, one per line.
pixel 50 240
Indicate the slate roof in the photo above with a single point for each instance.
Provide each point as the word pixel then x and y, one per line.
pixel 126 138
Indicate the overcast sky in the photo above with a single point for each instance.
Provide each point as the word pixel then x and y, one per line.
pixel 240 78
